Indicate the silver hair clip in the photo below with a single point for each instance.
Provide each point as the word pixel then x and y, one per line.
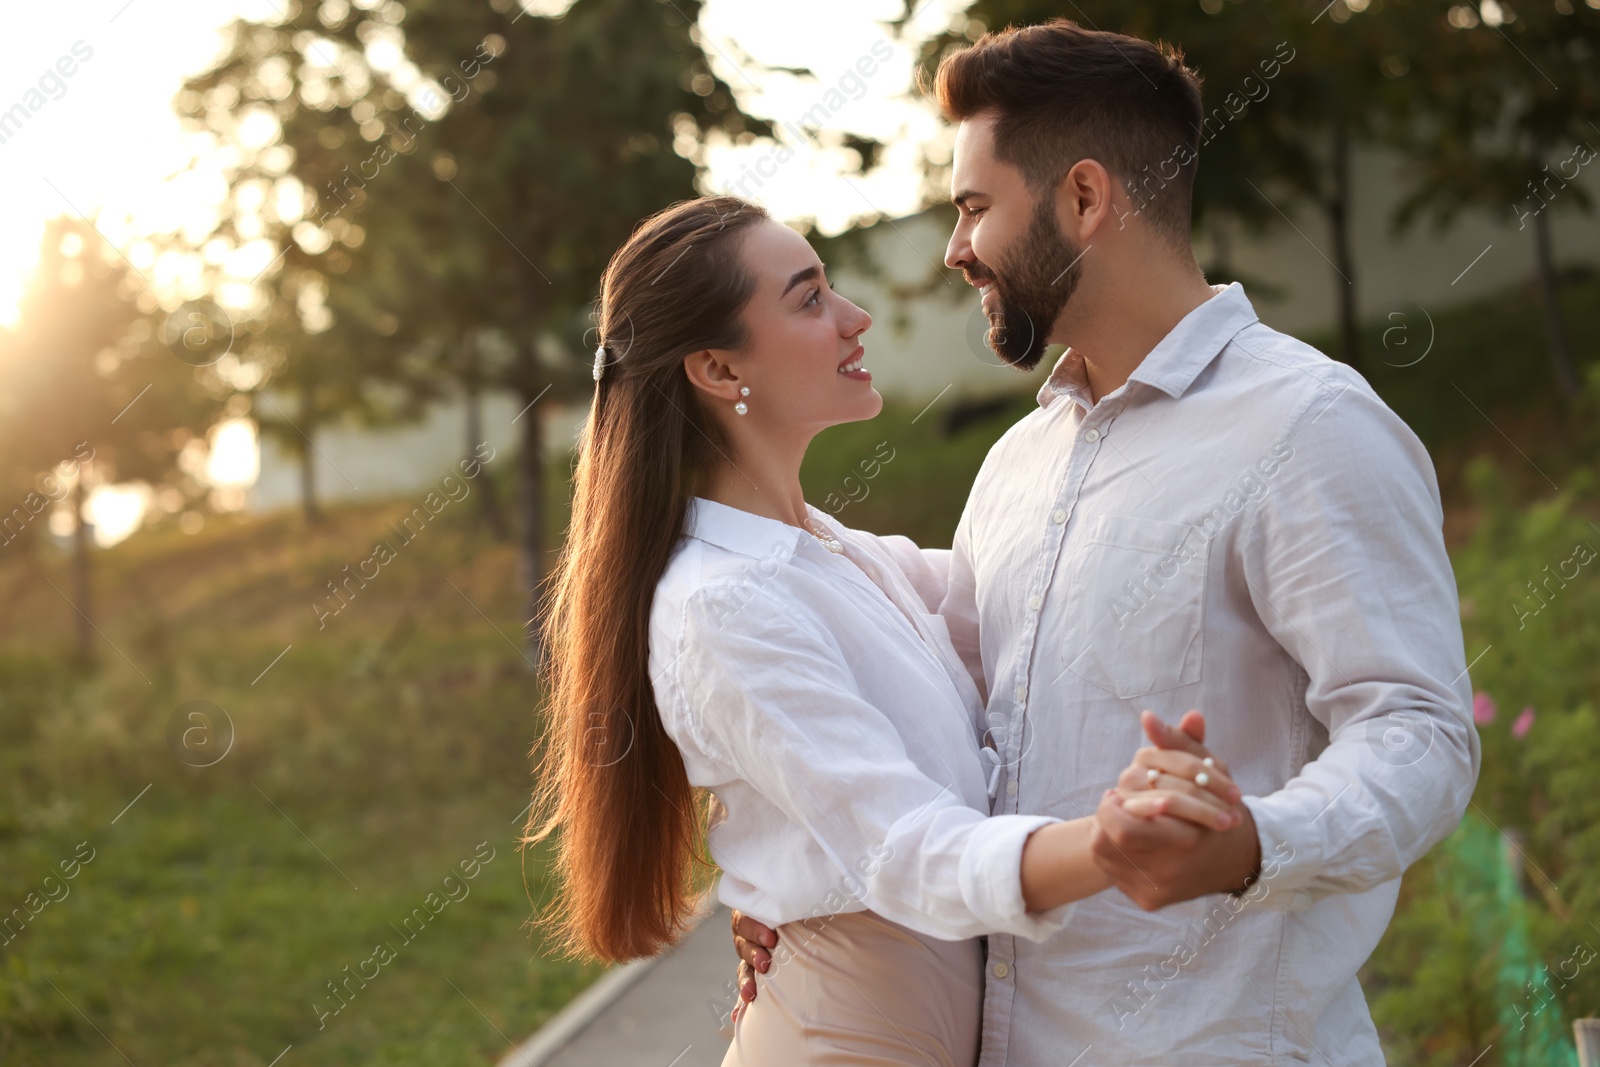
pixel 599 362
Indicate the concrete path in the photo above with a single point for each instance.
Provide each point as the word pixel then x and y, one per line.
pixel 649 1014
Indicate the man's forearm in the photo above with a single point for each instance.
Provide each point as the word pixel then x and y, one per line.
pixel 1351 820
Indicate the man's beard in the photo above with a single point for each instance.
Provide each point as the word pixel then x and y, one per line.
pixel 1032 289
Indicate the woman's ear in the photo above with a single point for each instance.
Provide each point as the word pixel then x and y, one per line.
pixel 711 371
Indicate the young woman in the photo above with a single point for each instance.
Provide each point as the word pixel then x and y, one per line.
pixel 709 630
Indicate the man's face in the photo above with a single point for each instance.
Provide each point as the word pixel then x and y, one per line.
pixel 1008 243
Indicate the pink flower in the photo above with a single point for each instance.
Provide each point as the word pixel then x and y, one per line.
pixel 1519 727
pixel 1483 709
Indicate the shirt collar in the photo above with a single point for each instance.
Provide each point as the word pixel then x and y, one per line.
pixel 740 531
pixel 1177 360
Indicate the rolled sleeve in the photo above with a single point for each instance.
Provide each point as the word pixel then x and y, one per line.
pixel 991 878
pixel 774 702
pixel 1346 566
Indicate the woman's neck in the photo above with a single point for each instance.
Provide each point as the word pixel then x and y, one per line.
pixel 766 484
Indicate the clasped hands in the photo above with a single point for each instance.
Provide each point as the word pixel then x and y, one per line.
pixel 1172 829
pixel 1167 839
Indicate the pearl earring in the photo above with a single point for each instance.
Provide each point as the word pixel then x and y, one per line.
pixel 741 407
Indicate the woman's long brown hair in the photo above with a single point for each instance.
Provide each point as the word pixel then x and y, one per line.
pixel 611 780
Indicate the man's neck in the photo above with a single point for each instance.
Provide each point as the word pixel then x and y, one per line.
pixel 1116 324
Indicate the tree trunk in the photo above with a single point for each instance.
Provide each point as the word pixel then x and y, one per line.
pixel 1561 365
pixel 308 457
pixel 1338 208
pixel 81 532
pixel 493 515
pixel 530 486
pixel 308 484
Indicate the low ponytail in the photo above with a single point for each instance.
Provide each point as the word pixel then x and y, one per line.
pixel 610 780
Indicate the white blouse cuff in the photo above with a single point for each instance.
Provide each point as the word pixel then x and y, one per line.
pixel 991 879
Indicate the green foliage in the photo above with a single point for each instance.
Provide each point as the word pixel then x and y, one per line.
pixel 1453 976
pixel 1489 141
pixel 1470 961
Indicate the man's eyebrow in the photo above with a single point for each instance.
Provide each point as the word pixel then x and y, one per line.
pixel 961 198
pixel 800 276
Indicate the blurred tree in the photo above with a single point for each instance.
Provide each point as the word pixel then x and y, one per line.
pixel 91 396
pixel 1511 139
pixel 444 310
pixel 316 333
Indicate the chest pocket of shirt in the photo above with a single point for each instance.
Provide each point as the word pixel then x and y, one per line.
pixel 1139 604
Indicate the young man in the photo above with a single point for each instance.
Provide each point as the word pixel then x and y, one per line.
pixel 1202 512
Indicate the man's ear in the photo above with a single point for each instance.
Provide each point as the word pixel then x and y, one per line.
pixel 1084 200
pixel 711 370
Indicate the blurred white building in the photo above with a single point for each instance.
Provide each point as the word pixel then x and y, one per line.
pixel 354 463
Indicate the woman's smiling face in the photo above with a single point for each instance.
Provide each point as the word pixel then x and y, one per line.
pixel 803 354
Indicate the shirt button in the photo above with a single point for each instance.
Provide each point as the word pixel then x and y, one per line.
pixel 1059 517
pixel 1001 970
pixel 1035 603
pixel 1091 436
pixel 1011 788
pixel 1022 692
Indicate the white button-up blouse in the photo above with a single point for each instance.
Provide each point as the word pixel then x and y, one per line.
pixel 817 695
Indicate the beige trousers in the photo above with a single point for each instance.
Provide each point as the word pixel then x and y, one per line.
pixel 857 989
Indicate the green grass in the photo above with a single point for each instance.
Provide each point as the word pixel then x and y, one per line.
pixel 368 763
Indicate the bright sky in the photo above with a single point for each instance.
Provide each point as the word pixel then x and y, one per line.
pixel 106 144
pixel 831 37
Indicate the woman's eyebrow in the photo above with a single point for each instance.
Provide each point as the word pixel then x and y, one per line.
pixel 801 276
